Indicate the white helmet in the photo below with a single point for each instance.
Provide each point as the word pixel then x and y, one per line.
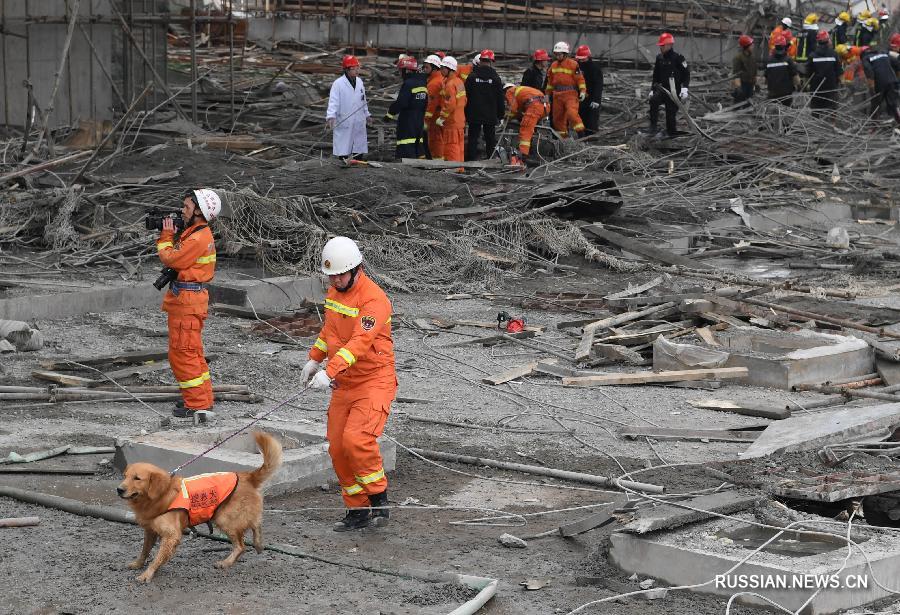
pixel 433 60
pixel 561 47
pixel 787 22
pixel 449 62
pixel 209 202
pixel 476 60
pixel 508 85
pixel 340 255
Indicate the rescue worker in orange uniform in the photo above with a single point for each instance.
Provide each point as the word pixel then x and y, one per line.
pixel 464 70
pixel 452 118
pixel 435 82
pixel 193 256
pixel 566 84
pixel 356 340
pixel 529 106
pixel 782 29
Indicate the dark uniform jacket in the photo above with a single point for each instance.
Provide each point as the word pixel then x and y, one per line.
pixel 484 92
pixel 877 66
pixel 780 72
pixel 534 78
pixel 744 67
pixel 409 108
pixel 824 70
pixel 671 64
pixel 839 35
pixel 806 44
pixel 593 80
pixel 863 37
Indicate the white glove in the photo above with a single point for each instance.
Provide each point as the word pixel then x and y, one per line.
pixel 683 94
pixel 595 105
pixel 320 380
pixel 582 96
pixel 440 122
pixel 308 371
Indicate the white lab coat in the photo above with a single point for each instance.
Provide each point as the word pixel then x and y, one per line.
pixel 349 109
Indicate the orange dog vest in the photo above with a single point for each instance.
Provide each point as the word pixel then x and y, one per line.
pixel 201 495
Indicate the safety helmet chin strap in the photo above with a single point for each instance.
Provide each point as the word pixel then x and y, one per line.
pixel 354 272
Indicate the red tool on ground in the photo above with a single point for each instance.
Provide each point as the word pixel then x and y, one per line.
pixel 512 324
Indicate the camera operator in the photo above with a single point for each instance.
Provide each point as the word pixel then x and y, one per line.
pixel 192 256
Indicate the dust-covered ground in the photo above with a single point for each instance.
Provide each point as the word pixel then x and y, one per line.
pixel 71 564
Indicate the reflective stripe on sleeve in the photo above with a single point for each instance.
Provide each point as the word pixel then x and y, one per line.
pixel 162 245
pixel 419 90
pixel 346 355
pixel 321 345
pixel 406 141
pixel 205 260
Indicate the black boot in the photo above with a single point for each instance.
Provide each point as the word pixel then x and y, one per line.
pixel 380 515
pixel 355 519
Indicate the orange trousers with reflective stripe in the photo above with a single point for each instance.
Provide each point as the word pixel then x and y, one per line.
pixel 533 114
pixel 356 418
pixel 188 362
pixel 435 141
pixel 565 113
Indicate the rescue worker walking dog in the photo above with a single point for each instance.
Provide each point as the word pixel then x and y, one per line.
pixel 163 505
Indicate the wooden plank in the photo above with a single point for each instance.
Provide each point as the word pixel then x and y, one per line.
pixel 492 340
pixel 135 370
pixel 614 352
pixel 63 379
pixel 630 292
pixel 510 374
pixel 639 247
pixel 669 516
pixel 621 319
pixel 583 350
pixel 724 405
pixel 707 336
pixel 631 303
pixel 651 377
pixel 140 356
pixel 695 435
pixel 551 369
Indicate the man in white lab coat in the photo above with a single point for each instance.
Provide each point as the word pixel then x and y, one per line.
pixel 348 112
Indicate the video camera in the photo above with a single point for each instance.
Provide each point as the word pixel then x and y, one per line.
pixel 166 276
pixel 155 217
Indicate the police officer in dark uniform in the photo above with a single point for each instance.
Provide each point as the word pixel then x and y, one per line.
pixel 882 78
pixel 781 74
pixel 589 108
pixel 824 70
pixel 409 110
pixel 485 105
pixel 669 71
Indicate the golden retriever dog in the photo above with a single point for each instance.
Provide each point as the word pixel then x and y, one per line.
pixel 152 493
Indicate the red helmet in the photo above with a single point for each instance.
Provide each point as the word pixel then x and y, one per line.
pixel 407 63
pixel 745 41
pixel 779 41
pixel 349 62
pixel 487 54
pixel 788 36
pixel 895 40
pixel 823 36
pixel 541 55
pixel 665 39
pixel 583 52
pixel 440 54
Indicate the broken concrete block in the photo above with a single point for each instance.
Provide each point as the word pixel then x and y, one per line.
pixel 646 583
pixel 513 542
pixel 6 347
pixel 838 238
pixel 686 355
pixel 21 335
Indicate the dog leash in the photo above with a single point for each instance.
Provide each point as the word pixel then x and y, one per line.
pixel 242 429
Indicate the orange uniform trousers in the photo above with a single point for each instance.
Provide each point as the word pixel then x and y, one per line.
pixel 435 141
pixel 565 112
pixel 356 418
pixel 534 113
pixel 188 361
pixel 454 143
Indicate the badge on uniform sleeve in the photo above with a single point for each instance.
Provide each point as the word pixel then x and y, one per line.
pixel 367 322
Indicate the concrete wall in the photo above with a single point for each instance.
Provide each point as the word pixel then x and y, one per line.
pixel 617 45
pixel 31 44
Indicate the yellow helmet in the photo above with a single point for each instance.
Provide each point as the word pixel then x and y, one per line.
pixel 842 50
pixel 871 24
pixel 811 19
pixel 864 15
pixel 844 16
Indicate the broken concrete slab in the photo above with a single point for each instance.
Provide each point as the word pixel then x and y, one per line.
pixel 701 553
pixel 775 358
pixel 269 294
pixel 812 431
pixel 670 516
pixel 305 460
pixel 63 305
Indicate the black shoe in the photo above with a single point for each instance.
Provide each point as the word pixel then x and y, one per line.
pixel 355 519
pixel 380 511
pixel 180 412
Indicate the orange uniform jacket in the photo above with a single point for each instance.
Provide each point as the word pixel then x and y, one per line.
pixel 453 102
pixel 521 97
pixel 356 336
pixel 194 257
pixel 564 76
pixel 433 107
pixel 201 495
pixel 464 71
